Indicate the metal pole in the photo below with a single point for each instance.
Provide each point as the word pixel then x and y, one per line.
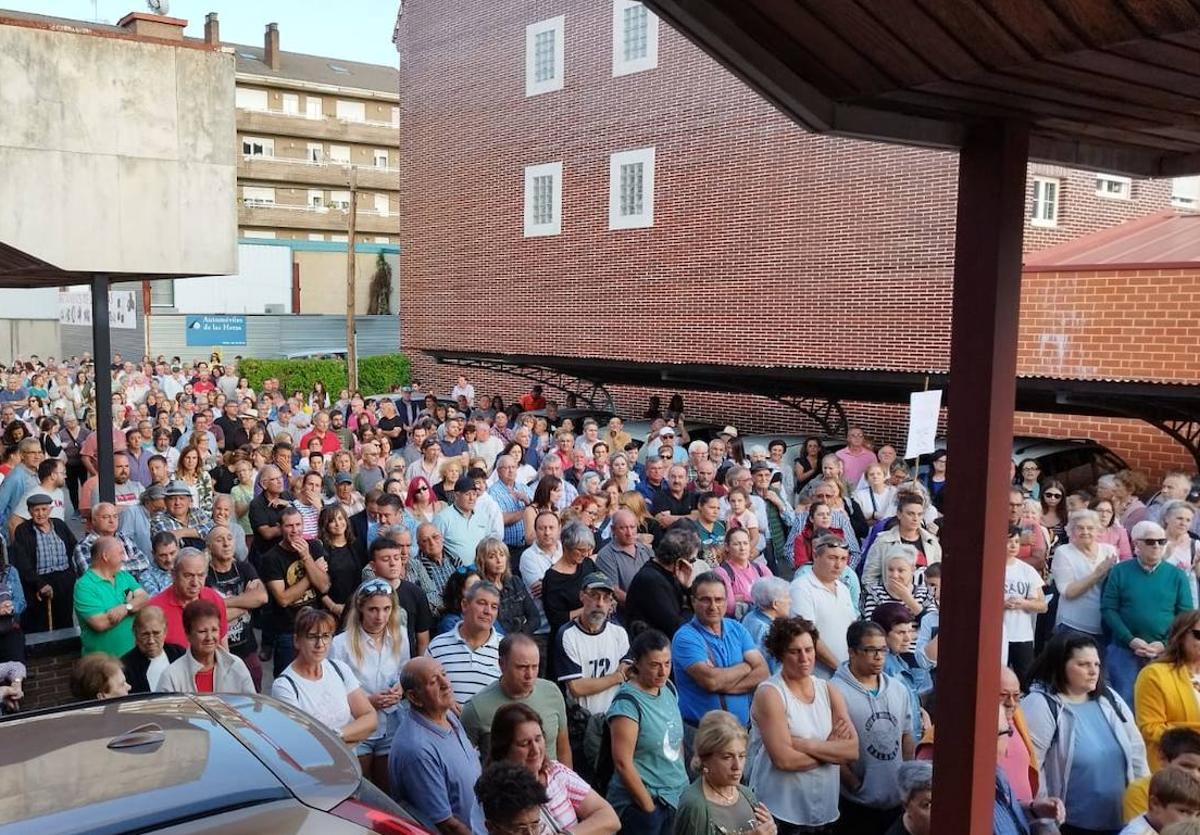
pixel 102 353
pixel 351 329
pixel 982 395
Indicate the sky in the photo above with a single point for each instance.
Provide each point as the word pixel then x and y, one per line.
pixel 353 30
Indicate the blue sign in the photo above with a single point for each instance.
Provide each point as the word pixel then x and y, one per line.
pixel 216 330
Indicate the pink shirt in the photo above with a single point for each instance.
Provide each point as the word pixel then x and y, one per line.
pixel 565 790
pixel 1016 769
pixel 737 589
pixel 855 463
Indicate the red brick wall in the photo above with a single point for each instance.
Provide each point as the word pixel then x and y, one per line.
pixel 1081 211
pixel 770 245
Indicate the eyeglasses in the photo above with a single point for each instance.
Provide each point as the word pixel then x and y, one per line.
pixel 422 489
pixel 1053 495
pixel 1005 732
pixel 877 652
pixel 318 639
pixel 1155 542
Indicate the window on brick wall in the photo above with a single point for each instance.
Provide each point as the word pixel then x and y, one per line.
pixel 1044 211
pixel 635 38
pixel 1185 192
pixel 543 199
pixel 631 189
pixel 1112 187
pixel 544 56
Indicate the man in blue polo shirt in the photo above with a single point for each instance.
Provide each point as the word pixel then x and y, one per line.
pixel 461 526
pixel 717 663
pixel 432 764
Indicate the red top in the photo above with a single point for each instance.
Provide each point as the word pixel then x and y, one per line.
pixel 173 610
pixel 204 680
pixel 329 441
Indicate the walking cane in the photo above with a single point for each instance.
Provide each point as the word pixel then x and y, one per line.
pixel 49 615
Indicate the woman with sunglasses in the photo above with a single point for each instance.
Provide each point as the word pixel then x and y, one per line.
pixel 375 646
pixel 1054 510
pixel 1167 692
pixel 1111 529
pixel 420 503
pixel 1027 480
pixel 325 689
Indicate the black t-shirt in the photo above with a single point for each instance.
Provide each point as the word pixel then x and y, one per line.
pixel 416 605
pixel 656 600
pixel 231 428
pixel 345 573
pixel 223 478
pixel 665 502
pixel 560 593
pixel 387 424
pixel 280 564
pixel 231 584
pixel 262 513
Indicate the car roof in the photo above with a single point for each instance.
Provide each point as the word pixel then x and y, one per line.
pixel 144 762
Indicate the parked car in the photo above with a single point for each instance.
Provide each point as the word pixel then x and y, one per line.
pixel 638 430
pixel 1076 462
pixel 577 416
pixel 185 764
pixel 795 444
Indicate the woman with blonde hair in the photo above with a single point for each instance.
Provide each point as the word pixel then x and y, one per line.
pixel 718 801
pixel 518 612
pixel 374 645
pixel 649 530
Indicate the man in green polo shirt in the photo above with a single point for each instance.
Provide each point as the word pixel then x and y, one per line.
pixel 519 682
pixel 106 598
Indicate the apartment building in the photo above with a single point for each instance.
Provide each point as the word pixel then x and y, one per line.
pixel 306 125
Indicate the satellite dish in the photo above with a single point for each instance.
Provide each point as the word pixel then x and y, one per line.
pixel 159 6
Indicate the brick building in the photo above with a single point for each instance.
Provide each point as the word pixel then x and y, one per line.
pixel 580 179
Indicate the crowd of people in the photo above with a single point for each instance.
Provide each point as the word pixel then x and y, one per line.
pixel 523 625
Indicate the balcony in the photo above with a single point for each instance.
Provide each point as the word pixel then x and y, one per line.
pixel 325 173
pixel 325 219
pixel 278 123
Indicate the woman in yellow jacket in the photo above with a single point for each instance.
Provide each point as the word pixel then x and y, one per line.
pixel 1167 693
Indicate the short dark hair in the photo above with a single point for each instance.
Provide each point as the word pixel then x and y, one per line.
pixel 310 616
pixel 163 538
pixel 90 675
pixel 785 630
pixel 934 571
pixel 288 511
pixel 504 727
pixel 383 543
pixel 199 610
pixel 1050 668
pixel 1014 530
pixel 774 442
pixel 646 642
pixel 389 500
pixel 861 629
pixel 1179 741
pixel 891 615
pixel 678 543
pixel 47 468
pixel 708 578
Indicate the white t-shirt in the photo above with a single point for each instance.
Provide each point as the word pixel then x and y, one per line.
pixel 56 508
pixel 832 612
pixel 326 699
pixel 154 672
pixel 1020 580
pixel 1069 565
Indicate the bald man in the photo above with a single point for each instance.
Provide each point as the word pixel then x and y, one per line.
pixel 106 598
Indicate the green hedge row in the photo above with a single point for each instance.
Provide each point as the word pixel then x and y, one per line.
pixel 375 374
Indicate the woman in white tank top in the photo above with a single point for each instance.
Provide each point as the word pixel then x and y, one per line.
pixel 800 733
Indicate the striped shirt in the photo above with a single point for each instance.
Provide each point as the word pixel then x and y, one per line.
pixel 310 516
pixel 514 534
pixel 469 670
pixel 565 790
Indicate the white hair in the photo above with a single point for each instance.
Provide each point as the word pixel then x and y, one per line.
pixel 766 590
pixel 1082 516
pixel 697 446
pixel 1146 528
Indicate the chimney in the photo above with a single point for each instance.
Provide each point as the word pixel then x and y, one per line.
pixel 212 29
pixel 271 46
pixel 158 27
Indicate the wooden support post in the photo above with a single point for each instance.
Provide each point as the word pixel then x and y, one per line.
pixel 351 330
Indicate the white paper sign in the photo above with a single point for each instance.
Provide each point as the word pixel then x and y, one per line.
pixel 923 409
pixel 75 308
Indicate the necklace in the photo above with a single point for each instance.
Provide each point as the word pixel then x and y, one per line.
pixel 725 797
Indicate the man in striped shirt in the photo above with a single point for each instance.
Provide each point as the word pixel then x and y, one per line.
pixel 310 503
pixel 470 652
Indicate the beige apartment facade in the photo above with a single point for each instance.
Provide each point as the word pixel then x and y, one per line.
pixel 305 125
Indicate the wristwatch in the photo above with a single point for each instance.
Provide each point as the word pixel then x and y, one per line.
pixel 129 608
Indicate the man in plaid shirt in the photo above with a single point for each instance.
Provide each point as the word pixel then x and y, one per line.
pixel 105 518
pixel 190 525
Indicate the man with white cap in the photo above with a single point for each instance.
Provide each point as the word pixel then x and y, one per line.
pixel 1141 597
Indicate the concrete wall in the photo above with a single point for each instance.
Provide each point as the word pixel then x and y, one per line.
pixel 22 337
pixel 115 154
pixel 323 281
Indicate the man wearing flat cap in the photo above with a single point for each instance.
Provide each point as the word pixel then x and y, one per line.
pixel 41 553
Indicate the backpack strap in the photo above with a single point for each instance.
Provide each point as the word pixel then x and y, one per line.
pixel 337 670
pixel 291 681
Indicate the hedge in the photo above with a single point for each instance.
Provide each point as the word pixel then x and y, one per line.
pixel 375 374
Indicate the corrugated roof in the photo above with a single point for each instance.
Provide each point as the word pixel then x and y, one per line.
pixel 317 69
pixel 1165 240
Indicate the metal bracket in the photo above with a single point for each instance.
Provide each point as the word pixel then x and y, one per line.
pixel 827 414
pixel 1186 432
pixel 592 392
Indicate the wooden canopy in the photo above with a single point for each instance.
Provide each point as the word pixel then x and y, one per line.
pixel 1110 85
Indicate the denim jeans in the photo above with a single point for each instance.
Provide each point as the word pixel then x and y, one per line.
pixel 1122 667
pixel 285 653
pixel 659 822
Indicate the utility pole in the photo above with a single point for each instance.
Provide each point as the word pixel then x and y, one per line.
pixel 351 338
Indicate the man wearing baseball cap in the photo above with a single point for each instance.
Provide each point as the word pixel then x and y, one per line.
pixel 461 527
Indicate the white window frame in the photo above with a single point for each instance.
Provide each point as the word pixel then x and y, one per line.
pixel 290 102
pixel 380 154
pixel 382 205
pixel 258 196
pixel 339 200
pixel 649 61
pixel 1124 184
pixel 260 234
pixel 554 227
pixel 243 95
pixel 335 238
pixel 316 200
pixel 316 236
pixel 640 221
pixel 313 107
pixel 335 154
pixel 1185 192
pixel 351 111
pixel 533 87
pixel 317 158
pixel 395 117
pixel 265 142
pixel 162 293
pixel 1036 214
